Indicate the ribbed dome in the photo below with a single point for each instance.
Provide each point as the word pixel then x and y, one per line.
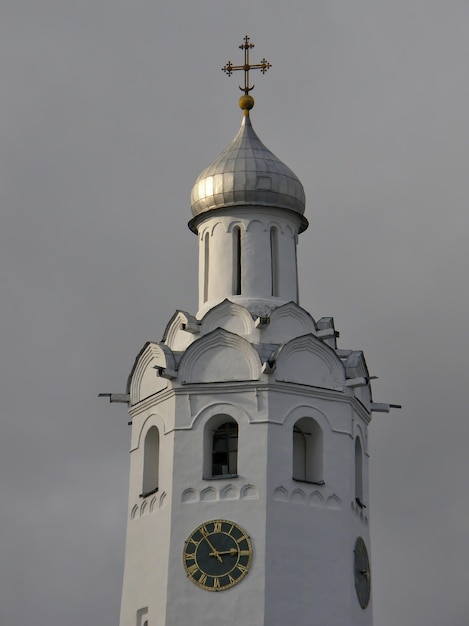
pixel 247 173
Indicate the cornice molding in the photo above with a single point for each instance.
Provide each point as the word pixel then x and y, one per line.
pixel 238 387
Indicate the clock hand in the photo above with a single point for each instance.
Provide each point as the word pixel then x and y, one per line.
pixel 231 552
pixel 215 552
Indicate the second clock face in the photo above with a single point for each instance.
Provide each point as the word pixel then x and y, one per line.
pixel 217 555
pixel 362 573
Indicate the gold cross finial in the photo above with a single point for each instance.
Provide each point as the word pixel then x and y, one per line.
pixel 246 102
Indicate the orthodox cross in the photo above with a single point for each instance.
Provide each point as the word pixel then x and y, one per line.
pixel 263 66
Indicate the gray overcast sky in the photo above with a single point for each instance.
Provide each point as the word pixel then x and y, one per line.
pixel 109 109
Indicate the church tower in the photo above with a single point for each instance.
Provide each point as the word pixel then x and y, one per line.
pixel 248 499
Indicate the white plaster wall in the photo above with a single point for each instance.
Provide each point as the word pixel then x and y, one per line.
pixel 148 528
pixel 256 275
pixel 287 242
pixel 311 529
pixel 303 534
pixel 220 260
pixel 154 576
pixel 303 538
pixel 255 223
pixel 241 499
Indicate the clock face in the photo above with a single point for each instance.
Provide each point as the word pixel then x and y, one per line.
pixel 217 555
pixel 362 573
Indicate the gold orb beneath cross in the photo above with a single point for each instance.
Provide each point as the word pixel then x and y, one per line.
pixel 246 102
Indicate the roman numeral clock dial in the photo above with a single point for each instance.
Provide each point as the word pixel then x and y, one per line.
pixel 217 555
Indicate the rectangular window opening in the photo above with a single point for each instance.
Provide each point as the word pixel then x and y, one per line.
pixel 274 260
pixel 236 261
pixel 206 265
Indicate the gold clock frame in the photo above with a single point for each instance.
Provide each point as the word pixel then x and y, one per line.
pixel 209 535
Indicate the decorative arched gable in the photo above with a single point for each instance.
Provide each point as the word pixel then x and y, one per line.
pixel 230 316
pixel 143 380
pixel 181 330
pixel 287 322
pixel 219 356
pixel 308 361
pixel 355 367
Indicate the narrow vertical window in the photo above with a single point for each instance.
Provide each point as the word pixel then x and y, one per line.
pixel 295 243
pixel 307 451
pixel 358 472
pixel 225 450
pixel 236 261
pixel 206 265
pixel 274 260
pixel 151 454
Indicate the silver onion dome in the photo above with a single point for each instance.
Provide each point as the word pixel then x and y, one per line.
pixel 247 173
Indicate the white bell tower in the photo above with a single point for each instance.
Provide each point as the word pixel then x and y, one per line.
pixel 248 499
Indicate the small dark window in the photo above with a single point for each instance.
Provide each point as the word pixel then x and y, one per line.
pixel 206 265
pixel 296 268
pixel 274 260
pixel 225 449
pixel 358 472
pixel 236 261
